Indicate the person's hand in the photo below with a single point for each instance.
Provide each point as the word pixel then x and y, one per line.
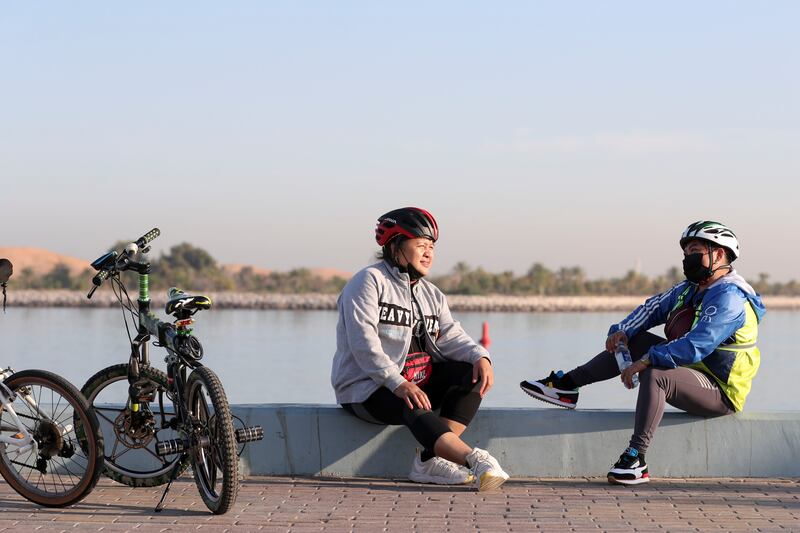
pixel 413 396
pixel 482 369
pixel 614 339
pixel 627 375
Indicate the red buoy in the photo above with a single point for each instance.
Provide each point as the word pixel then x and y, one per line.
pixel 485 340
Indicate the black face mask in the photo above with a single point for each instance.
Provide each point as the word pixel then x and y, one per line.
pixel 694 270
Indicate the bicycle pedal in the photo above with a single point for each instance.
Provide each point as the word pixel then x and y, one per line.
pixel 249 434
pixel 170 447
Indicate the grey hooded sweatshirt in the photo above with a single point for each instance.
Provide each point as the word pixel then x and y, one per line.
pixel 374 332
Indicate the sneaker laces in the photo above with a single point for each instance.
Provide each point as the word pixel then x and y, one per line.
pixel 440 466
pixel 479 455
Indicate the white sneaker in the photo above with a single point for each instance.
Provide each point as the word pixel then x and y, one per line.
pixel 486 469
pixel 439 471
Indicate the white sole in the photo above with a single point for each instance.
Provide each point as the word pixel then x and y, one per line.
pixel 439 481
pixel 548 399
pixel 490 482
pixel 639 481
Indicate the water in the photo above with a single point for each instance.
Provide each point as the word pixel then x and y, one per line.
pixel 285 356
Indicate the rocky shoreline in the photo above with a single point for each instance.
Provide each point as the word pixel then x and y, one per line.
pixel 250 300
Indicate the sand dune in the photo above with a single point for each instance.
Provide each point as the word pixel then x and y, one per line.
pixel 42 261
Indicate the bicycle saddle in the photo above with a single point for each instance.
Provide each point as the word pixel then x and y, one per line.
pixel 184 305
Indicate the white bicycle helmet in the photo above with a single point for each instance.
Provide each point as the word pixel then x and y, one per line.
pixel 712 232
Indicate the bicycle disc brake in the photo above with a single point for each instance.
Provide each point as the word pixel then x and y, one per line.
pixel 135 429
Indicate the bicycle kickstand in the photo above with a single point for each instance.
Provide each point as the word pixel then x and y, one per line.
pixel 175 472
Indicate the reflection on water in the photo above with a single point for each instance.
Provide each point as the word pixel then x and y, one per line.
pixel 285 356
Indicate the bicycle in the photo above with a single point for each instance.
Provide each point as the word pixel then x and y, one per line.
pixel 44 456
pixel 152 443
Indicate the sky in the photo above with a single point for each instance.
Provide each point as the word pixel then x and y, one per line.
pixel 275 133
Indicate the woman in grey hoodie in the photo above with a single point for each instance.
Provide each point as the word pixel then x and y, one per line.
pixel 400 355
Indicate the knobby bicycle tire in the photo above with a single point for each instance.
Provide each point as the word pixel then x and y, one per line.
pixel 120 473
pixel 220 456
pixel 75 453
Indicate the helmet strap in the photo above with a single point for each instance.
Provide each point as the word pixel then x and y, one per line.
pixel 409 269
pixel 711 270
pixel 4 297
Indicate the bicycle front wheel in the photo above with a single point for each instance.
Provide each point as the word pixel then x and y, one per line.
pixel 214 458
pixel 65 459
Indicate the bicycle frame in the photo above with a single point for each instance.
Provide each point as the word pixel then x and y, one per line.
pixel 26 442
pixel 22 444
pixel 177 363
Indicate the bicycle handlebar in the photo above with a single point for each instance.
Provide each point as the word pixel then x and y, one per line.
pixel 99 278
pixel 148 237
pixel 112 262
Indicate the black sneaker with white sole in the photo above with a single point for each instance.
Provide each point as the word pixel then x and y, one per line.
pixel 631 469
pixel 552 390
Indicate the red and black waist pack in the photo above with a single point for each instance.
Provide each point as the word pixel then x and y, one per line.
pixel 418 368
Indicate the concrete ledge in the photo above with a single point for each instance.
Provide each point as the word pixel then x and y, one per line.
pixel 326 441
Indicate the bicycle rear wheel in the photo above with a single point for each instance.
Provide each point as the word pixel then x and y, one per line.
pixel 67 460
pixel 214 459
pixel 130 446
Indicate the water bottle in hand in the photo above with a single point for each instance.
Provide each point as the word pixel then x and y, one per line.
pixel 624 360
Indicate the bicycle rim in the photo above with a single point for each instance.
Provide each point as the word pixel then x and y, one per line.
pixel 215 461
pixel 67 460
pixel 131 458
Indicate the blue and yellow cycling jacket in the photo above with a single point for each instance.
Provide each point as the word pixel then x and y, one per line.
pixel 722 339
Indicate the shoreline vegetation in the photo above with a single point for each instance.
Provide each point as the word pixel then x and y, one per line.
pixel 327 302
pixel 46 279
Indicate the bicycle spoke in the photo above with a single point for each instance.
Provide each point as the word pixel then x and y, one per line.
pixel 57 474
pixel 30 472
pixel 81 457
pixel 70 472
pixel 114 449
pixel 154 454
pixel 39 400
pixel 57 417
pixel 13 462
pixel 64 415
pixel 54 408
pixel 104 417
pixel 114 458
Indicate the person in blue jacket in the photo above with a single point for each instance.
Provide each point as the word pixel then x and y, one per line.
pixel 706 364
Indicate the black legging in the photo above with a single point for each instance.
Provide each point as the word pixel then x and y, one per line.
pixel 450 388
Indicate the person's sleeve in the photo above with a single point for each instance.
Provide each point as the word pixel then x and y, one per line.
pixel 721 316
pixel 453 341
pixel 360 311
pixel 652 312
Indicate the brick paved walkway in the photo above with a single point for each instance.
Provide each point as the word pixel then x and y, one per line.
pixel 334 505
